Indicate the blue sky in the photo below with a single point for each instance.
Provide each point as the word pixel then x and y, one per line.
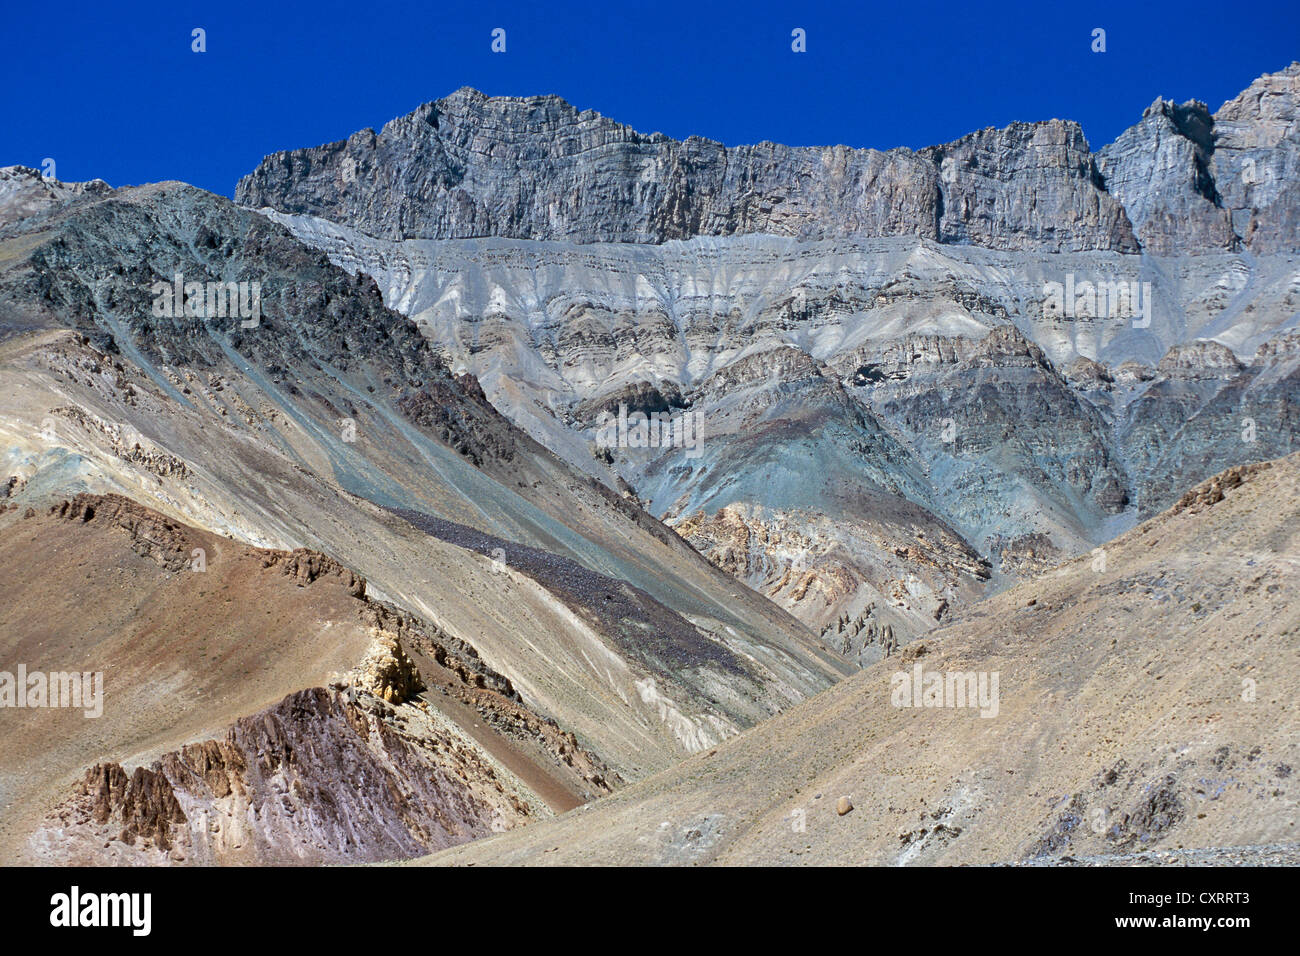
pixel 113 90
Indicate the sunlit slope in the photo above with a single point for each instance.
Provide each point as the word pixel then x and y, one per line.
pixel 1144 703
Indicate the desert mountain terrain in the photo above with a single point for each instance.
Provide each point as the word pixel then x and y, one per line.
pixel 511 486
pixel 325 423
pixel 1144 703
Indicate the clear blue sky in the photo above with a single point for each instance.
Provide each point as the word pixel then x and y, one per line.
pixel 112 89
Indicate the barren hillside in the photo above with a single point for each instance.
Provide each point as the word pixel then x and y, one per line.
pixel 1144 703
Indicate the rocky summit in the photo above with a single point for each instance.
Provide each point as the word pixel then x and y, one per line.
pixel 658 501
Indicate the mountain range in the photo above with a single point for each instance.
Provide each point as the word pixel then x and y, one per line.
pixel 897 408
pixel 509 469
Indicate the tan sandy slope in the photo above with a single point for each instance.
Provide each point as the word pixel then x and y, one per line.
pixel 191 633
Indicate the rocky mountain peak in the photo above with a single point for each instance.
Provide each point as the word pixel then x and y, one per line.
pixel 1006 345
pixel 25 191
pixel 1161 170
pixel 1281 348
pixel 1270 96
pixel 1084 373
pixel 1191 119
pixel 1182 180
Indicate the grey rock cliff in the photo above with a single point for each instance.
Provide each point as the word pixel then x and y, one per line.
pixel 471 165
pixel 1028 186
pixel 1194 182
pixel 1160 170
pixel 1257 161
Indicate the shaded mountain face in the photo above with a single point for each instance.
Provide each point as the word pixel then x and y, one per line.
pixel 320 419
pixel 1162 170
pixel 1257 163
pixel 1119 709
pixel 842 384
pixel 1004 374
